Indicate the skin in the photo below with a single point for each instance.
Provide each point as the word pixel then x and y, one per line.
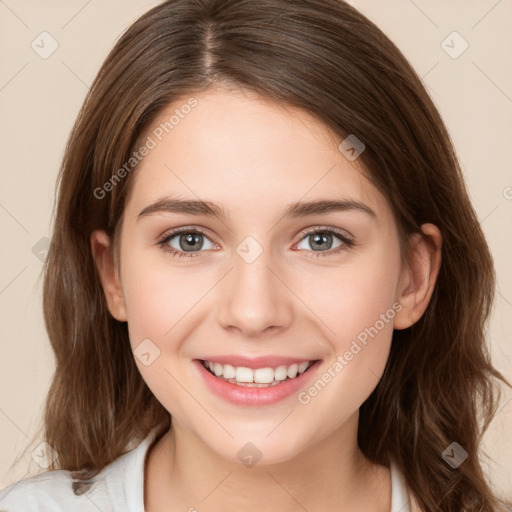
pixel 254 157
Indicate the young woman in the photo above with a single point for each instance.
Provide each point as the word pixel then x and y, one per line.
pixel 267 288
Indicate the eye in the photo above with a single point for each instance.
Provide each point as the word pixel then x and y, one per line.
pixel 184 242
pixel 324 240
pixel 188 243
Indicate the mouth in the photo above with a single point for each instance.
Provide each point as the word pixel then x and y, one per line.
pixel 257 382
pixel 257 377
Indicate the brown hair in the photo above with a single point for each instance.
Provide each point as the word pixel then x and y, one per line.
pixel 327 59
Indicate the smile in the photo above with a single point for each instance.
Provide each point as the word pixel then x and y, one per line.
pixel 258 377
pixel 267 382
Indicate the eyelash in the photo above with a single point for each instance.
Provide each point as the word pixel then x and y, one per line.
pixel 347 242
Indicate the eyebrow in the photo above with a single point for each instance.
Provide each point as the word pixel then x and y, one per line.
pixel 293 210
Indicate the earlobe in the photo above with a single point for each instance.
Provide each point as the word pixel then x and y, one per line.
pixel 418 278
pixel 103 256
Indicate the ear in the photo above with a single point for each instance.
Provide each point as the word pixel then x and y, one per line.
pixel 103 256
pixel 418 278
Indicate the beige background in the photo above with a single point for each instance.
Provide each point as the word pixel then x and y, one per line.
pixel 39 100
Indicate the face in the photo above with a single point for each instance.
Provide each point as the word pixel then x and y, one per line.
pixel 260 284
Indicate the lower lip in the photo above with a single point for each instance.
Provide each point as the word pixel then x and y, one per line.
pixel 244 395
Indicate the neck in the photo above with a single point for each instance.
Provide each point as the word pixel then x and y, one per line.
pixel 183 473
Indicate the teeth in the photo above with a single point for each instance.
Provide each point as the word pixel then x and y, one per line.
pixel 228 371
pixel 281 372
pixel 264 375
pixel 292 370
pixel 303 367
pixel 244 374
pixel 258 377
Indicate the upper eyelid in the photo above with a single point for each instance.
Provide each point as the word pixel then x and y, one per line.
pixel 319 227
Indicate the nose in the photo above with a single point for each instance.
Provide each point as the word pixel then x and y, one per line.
pixel 255 299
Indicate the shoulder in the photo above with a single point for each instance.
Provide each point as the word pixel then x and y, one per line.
pixel 118 486
pixel 52 491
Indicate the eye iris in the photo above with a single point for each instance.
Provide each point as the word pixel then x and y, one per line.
pixel 194 241
pixel 321 238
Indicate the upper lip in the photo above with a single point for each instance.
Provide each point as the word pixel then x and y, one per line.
pixel 256 362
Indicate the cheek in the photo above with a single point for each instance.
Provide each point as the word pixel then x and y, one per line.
pixel 364 303
pixel 355 295
pixel 159 300
pixel 356 308
pixel 157 295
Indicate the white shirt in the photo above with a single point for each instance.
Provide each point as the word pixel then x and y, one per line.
pixel 118 487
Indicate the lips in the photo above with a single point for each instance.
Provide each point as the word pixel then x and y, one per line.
pixel 254 394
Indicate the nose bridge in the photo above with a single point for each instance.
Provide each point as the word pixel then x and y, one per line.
pixel 255 299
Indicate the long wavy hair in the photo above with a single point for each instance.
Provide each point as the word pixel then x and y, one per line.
pixel 326 58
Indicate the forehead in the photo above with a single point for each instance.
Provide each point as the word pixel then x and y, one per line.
pixel 245 152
